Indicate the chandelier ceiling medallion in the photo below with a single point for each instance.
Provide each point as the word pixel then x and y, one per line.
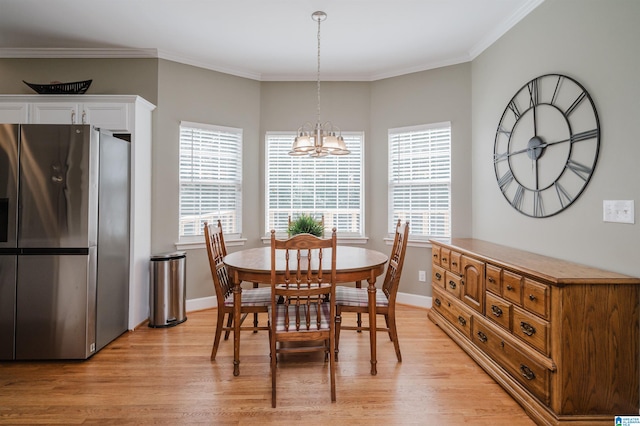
pixel 320 139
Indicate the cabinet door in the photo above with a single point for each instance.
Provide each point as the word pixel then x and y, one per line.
pixel 14 113
pixel 109 116
pixel 55 113
pixel 473 283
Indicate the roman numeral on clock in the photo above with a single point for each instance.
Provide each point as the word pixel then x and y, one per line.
pixel 583 136
pixel 579 169
pixel 505 180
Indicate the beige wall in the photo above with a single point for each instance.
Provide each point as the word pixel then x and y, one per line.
pixel 187 93
pixel 596 43
pixel 433 96
pixel 110 76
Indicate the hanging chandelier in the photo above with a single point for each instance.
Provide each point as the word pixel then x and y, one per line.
pixel 322 138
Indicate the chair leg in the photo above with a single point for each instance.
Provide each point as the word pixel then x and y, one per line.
pixel 216 340
pixel 229 324
pixel 337 331
pixel 273 368
pixel 386 320
pixel 255 315
pixel 393 331
pixel 333 350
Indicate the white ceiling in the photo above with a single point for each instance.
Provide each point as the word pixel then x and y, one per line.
pixel 268 40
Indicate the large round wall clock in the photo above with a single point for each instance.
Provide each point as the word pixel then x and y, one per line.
pixel 546 145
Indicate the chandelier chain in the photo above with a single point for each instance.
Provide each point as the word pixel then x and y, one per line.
pixel 323 138
pixel 318 72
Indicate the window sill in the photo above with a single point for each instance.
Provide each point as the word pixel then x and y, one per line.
pixel 341 240
pixel 411 243
pixel 199 243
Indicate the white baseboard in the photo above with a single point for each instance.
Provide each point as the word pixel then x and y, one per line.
pixel 404 298
pixel 201 303
pixel 414 300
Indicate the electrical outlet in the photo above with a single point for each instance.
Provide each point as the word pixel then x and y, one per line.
pixel 422 276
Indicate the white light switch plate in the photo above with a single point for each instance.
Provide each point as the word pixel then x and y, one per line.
pixel 620 211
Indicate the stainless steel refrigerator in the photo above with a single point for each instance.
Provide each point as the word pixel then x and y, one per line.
pixel 64 240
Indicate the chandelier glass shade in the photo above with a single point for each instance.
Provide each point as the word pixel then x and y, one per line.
pixel 319 139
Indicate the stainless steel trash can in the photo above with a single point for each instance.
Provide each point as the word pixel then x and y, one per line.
pixel 167 289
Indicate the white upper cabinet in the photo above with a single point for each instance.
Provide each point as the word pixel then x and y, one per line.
pixel 14 112
pixel 111 112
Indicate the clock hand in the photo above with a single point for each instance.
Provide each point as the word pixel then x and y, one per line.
pixel 506 155
pixel 521 151
pixel 544 145
pixel 509 154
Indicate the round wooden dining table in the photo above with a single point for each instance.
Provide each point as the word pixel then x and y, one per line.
pixel 353 264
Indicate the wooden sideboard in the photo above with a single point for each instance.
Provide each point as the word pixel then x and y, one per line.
pixel 563 339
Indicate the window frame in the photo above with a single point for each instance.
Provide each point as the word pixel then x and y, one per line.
pixel 393 182
pixel 289 136
pixel 230 233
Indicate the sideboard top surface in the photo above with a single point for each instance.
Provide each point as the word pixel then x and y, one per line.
pixel 554 271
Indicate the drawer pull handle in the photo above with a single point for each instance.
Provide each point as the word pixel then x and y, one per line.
pixel 496 310
pixel 527 373
pixel 527 328
pixel 482 336
pixel 452 284
pixel 438 302
pixel 444 260
pixel 491 280
pixel 435 255
pixel 438 276
pixel 462 321
pixel 509 288
pixel 532 297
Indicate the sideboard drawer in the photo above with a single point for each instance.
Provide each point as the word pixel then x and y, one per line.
pixel 494 279
pixel 531 329
pixel 512 287
pixel 535 297
pixel 498 310
pixel 444 258
pixel 437 275
pixel 452 311
pixel 532 375
pixel 452 284
pixel 435 254
pixel 454 262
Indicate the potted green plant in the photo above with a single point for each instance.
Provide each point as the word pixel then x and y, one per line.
pixel 306 224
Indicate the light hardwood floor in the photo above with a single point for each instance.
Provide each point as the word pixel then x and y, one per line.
pixel 164 376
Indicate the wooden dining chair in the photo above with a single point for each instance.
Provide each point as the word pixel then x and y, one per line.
pixel 302 309
pixel 350 299
pixel 254 300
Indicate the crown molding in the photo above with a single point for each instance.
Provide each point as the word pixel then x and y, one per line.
pixel 502 29
pixel 175 57
pixel 17 52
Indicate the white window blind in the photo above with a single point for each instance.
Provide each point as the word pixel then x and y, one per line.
pixel 331 186
pixel 210 178
pixel 420 179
